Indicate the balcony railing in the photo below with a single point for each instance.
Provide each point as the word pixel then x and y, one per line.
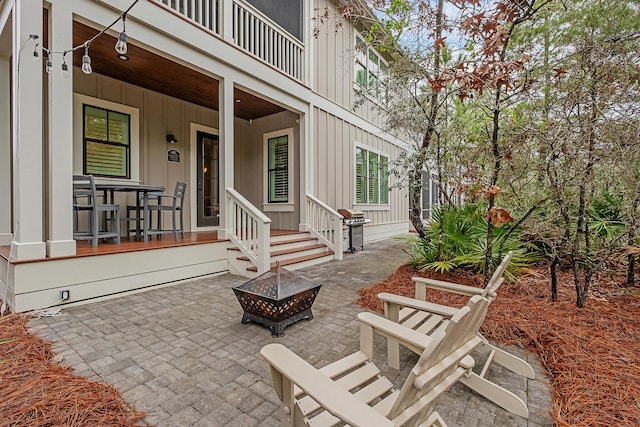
pixel 258 35
pixel 205 13
pixel 251 30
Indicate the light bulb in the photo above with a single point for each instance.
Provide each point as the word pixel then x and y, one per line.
pixel 121 45
pixel 65 70
pixel 86 64
pixel 48 67
pixel 86 61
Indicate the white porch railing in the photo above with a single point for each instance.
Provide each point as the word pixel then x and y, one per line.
pixel 252 31
pixel 258 35
pixel 325 224
pixel 248 228
pixel 203 12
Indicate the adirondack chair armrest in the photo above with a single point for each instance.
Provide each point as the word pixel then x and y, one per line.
pixel 430 307
pixel 388 328
pixel 447 286
pixel 321 388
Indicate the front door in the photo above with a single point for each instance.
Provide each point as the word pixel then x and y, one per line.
pixel 208 170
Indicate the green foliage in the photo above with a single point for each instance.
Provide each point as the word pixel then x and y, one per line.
pixel 463 243
pixel 605 217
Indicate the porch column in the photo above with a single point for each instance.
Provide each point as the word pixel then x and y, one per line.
pixel 5 151
pixel 227 20
pixel 227 104
pixel 60 242
pixel 27 133
pixel 306 163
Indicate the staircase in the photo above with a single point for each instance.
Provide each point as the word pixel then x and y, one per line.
pixel 293 250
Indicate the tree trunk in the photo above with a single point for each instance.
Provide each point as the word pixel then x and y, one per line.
pixel 416 209
pixel 554 278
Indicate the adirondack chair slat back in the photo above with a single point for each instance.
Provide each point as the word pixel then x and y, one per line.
pixel 491 291
pixel 500 269
pixel 439 365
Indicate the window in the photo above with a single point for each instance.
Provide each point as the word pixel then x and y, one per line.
pixel 370 69
pixel 278 153
pixel 278 169
pixel 372 177
pixel 106 142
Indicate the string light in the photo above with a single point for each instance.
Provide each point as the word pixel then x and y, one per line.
pixel 36 57
pixel 65 67
pixel 86 60
pixel 121 45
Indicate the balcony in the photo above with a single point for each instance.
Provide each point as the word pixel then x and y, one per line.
pixel 251 30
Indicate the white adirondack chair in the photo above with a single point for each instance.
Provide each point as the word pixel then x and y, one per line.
pixel 422 318
pixel 352 392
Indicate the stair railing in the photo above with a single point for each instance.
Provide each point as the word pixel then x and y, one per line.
pixel 325 224
pixel 249 229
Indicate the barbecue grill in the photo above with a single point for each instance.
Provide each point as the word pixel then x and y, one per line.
pixel 355 220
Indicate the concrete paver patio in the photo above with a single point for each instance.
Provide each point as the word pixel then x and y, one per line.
pixel 181 354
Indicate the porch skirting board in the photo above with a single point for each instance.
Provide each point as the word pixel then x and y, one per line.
pixel 40 284
pixel 373 233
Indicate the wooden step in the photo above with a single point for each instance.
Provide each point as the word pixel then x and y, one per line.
pixel 295 260
pixel 281 243
pixel 288 251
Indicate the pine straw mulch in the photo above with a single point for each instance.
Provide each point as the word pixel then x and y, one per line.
pixel 35 391
pixel 592 355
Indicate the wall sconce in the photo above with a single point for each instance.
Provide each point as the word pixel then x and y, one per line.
pixel 171 139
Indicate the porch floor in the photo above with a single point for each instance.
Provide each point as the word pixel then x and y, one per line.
pixel 83 248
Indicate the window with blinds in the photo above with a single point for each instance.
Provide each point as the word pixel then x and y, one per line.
pixel 106 142
pixel 361 175
pixel 372 177
pixel 278 169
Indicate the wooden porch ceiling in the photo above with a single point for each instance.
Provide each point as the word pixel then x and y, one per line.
pixel 154 72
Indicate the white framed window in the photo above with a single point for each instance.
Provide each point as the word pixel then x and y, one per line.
pixel 371 177
pixel 278 166
pixel 106 139
pixel 370 69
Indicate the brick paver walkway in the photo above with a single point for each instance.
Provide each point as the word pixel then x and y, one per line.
pixel 181 354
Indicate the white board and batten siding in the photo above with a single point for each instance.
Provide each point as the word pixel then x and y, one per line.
pixel 334 162
pixel 250 174
pixel 335 64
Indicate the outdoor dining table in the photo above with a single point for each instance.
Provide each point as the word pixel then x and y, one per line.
pixel 142 192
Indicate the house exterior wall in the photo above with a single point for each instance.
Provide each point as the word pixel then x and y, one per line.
pixel 334 59
pixel 334 160
pixel 250 173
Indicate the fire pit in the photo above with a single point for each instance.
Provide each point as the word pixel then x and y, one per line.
pixel 277 299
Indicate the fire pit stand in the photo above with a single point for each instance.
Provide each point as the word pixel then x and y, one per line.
pixel 277 299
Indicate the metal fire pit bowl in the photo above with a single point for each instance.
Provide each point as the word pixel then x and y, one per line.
pixel 277 299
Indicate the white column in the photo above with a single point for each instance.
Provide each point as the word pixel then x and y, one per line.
pixel 6 233
pixel 60 242
pixel 304 159
pixel 227 103
pixel 27 133
pixel 227 20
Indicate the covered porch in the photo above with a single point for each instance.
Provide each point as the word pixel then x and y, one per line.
pixel 194 115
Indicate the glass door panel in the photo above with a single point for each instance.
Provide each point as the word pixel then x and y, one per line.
pixel 208 168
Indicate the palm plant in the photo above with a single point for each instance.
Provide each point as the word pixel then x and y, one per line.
pixel 456 238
